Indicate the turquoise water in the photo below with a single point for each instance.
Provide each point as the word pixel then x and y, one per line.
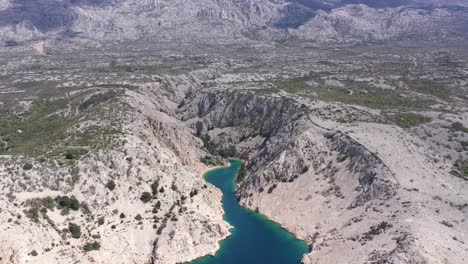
pixel 254 238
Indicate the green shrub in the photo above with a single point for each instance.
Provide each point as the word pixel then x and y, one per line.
pixel 242 173
pixel 75 230
pixel 270 190
pixel 27 166
pixel 33 213
pixel 74 203
pixel 74 153
pixel 65 202
pixel 110 185
pixel 193 192
pixel 92 246
pixel 138 217
pixel 146 197
pixel 48 202
pixel 154 187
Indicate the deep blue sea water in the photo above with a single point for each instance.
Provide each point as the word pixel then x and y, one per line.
pixel 254 238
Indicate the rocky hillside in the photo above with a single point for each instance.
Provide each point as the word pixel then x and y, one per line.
pixel 363 155
pixel 103 21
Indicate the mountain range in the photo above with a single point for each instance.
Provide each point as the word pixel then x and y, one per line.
pixel 226 21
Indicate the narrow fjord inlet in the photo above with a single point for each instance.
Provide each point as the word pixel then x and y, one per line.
pixel 254 238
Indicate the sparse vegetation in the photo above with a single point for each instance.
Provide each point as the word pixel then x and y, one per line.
pixel 429 87
pixel 46 131
pixel 458 127
pixel 376 230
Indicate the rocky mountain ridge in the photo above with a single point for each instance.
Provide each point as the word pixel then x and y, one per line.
pixel 209 21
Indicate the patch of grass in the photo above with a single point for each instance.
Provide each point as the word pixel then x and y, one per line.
pixel 429 87
pixel 460 169
pixel 407 120
pixel 464 145
pixel 295 85
pixel 353 92
pixel 382 99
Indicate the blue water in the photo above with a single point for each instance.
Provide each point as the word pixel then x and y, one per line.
pixel 254 238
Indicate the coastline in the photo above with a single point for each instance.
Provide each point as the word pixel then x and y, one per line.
pixel 217 247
